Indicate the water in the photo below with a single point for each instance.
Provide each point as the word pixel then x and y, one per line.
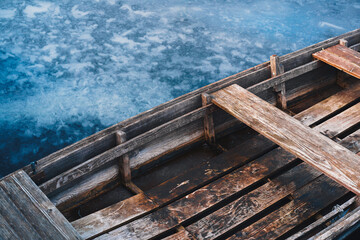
pixel 71 68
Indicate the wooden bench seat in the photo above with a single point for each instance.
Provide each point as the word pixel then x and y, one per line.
pixel 312 147
pixel 341 57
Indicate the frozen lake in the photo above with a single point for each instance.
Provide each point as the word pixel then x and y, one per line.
pixel 72 68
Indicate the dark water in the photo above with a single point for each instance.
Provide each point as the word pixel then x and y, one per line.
pixel 71 68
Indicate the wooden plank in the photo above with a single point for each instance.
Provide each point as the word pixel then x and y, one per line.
pixel 334 160
pixel 46 206
pixel 144 228
pixel 277 69
pixel 344 120
pixel 39 211
pixel 307 201
pixel 347 53
pixel 6 232
pixel 181 235
pixel 111 217
pixel 334 230
pixel 245 207
pixel 15 219
pixel 324 219
pixel 329 105
pixel 209 129
pixel 342 58
pixel 272 82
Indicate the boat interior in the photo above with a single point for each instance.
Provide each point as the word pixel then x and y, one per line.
pixel 199 167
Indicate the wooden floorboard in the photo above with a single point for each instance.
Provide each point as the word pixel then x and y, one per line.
pixel 29 212
pixel 307 201
pixel 329 105
pixel 319 151
pixel 180 185
pixel 245 207
pixel 347 118
pixel 342 58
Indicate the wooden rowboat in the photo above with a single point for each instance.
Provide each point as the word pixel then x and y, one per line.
pixel 269 153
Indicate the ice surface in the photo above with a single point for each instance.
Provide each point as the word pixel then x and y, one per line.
pixel 71 68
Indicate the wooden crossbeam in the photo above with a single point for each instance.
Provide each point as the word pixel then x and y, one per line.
pixel 280 90
pixel 314 148
pixel 341 57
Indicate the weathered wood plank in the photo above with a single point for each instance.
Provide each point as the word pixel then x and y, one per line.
pixel 39 218
pixel 231 215
pixel 6 232
pixel 344 120
pixel 108 218
pixel 339 226
pixel 274 81
pixel 87 188
pixel 322 220
pixel 347 53
pixel 37 209
pixel 342 58
pixel 144 228
pixel 181 235
pixel 329 105
pixel 334 160
pixel 47 208
pixel 15 219
pixel 307 201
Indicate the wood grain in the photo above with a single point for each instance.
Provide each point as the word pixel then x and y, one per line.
pixel 307 201
pixel 181 235
pixel 325 155
pixel 111 217
pixel 329 105
pixel 13 217
pixel 36 209
pixel 243 208
pixel 124 160
pixel 342 58
pixel 277 69
pixel 209 129
pixel 339 226
pixel 344 120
